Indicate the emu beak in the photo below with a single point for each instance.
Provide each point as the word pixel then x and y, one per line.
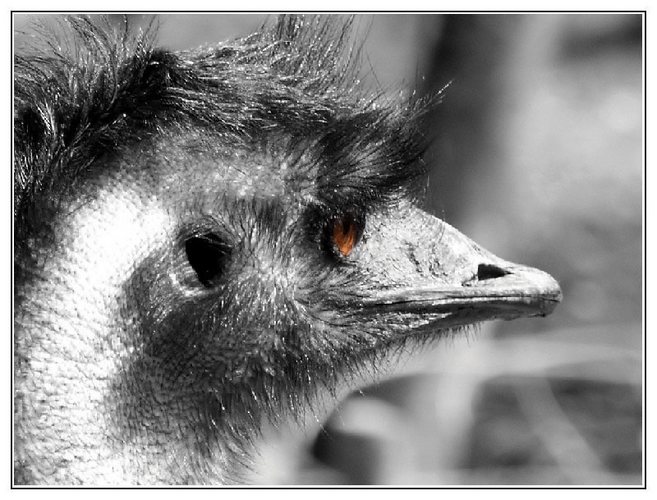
pixel 517 291
pixel 467 284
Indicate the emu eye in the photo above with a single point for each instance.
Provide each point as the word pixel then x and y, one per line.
pixel 208 256
pixel 345 232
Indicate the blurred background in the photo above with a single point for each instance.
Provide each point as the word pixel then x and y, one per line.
pixel 539 159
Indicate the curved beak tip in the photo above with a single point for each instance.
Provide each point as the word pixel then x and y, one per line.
pixel 538 290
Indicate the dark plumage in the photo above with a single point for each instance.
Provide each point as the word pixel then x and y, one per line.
pixel 209 240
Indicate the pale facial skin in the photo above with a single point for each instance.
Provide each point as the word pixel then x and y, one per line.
pixel 188 294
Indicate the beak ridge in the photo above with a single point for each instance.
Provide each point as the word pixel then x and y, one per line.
pixel 471 284
pixel 497 291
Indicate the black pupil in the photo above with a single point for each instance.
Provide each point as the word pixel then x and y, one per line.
pixel 208 255
pixel 345 225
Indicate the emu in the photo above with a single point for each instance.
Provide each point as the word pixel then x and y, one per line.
pixel 212 241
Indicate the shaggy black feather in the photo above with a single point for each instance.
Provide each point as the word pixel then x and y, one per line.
pixel 289 92
pixel 298 81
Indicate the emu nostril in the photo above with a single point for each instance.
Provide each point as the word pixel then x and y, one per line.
pixel 489 272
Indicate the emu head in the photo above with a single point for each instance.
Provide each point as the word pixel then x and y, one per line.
pixel 210 241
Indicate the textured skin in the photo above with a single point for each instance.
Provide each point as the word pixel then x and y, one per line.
pixel 130 370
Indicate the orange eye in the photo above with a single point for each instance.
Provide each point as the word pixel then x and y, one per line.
pixel 345 235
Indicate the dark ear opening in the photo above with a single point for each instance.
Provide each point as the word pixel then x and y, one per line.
pixel 208 255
